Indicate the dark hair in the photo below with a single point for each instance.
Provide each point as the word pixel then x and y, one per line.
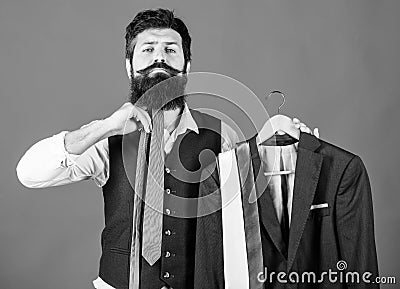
pixel 158 18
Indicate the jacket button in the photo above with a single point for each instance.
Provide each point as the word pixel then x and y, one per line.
pixel 166 275
pixel 168 211
pixel 167 254
pixel 168 191
pixel 167 232
pixel 167 170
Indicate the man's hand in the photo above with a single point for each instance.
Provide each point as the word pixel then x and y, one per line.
pixel 129 118
pixel 304 128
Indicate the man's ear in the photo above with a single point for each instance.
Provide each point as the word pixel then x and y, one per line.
pixel 188 67
pixel 128 67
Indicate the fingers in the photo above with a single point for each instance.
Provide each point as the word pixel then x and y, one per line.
pixel 141 116
pixel 316 132
pixel 301 126
pixel 146 114
pixel 304 128
pixel 296 121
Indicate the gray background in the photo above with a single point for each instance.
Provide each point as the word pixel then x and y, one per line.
pixel 62 65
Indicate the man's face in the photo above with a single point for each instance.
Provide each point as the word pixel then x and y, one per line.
pixel 157 56
pixel 161 45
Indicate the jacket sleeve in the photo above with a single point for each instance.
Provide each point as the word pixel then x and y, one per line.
pixel 355 223
pixel 209 267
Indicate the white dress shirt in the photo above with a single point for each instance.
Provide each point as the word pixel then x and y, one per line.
pixel 47 163
pixel 270 158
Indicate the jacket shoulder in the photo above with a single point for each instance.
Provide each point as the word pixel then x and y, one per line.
pixel 329 149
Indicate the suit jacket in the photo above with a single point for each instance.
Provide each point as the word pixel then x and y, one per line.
pixel 319 238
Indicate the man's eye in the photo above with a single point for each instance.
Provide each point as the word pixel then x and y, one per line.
pixel 150 49
pixel 170 50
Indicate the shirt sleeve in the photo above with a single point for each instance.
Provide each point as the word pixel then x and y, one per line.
pixel 48 164
pixel 229 137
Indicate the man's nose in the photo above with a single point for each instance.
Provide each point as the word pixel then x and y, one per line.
pixel 159 57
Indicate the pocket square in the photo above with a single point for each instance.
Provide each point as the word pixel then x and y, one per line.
pixel 319 206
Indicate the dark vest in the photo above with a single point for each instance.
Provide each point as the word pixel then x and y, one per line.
pixel 191 152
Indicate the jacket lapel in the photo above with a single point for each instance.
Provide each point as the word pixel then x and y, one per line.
pixel 308 167
pixel 266 208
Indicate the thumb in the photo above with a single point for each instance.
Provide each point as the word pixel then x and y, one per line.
pixel 316 132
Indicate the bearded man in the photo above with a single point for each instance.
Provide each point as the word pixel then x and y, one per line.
pixel 157 62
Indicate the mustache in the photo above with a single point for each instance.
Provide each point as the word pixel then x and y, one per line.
pixel 162 65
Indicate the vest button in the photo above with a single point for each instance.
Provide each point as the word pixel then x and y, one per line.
pixel 168 191
pixel 167 254
pixel 166 275
pixel 167 232
pixel 168 211
pixel 167 170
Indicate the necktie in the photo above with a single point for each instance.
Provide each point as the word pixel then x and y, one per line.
pixel 251 216
pixel 285 212
pixel 140 181
pixel 153 209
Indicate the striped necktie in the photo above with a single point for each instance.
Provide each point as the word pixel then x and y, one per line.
pixel 153 209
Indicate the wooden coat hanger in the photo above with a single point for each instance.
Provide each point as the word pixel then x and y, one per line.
pixel 278 125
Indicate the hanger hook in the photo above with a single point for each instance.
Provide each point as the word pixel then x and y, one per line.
pixel 283 98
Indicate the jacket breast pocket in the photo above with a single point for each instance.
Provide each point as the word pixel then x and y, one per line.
pixel 320 212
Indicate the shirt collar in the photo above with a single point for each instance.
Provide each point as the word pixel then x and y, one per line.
pixel 186 122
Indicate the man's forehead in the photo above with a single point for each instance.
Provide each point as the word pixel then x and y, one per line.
pixel 159 35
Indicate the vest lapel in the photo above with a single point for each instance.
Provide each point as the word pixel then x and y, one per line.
pixel 173 156
pixel 308 167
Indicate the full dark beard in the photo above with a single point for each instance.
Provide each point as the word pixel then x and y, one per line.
pixel 158 92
